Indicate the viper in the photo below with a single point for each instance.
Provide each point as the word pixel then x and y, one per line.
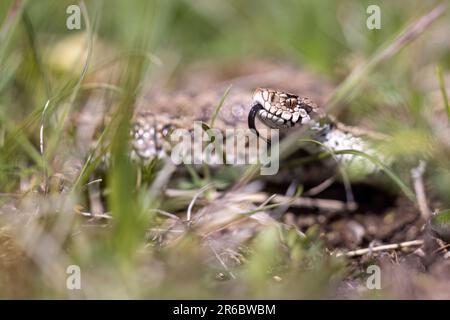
pixel 156 118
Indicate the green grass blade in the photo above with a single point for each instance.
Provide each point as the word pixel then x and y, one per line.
pixel 443 90
pixel 219 106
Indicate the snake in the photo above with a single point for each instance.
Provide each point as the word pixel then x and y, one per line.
pixel 158 115
pixel 156 118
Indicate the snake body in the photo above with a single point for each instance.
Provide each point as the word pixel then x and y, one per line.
pixel 274 109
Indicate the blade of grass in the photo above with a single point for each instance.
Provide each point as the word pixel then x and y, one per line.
pixel 19 140
pixel 403 187
pixel 406 190
pixel 205 127
pixel 36 53
pixel 219 106
pixel 345 178
pixel 90 163
pixel 67 107
pixel 196 180
pixel 11 21
pixel 442 86
pixel 101 86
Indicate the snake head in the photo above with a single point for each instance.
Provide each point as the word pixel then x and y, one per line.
pixel 280 110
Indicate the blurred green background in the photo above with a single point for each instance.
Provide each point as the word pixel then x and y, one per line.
pixel 401 96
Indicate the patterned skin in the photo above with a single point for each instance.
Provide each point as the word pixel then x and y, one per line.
pixel 282 110
pixel 274 109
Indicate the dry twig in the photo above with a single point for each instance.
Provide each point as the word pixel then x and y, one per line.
pixel 419 189
pixel 302 202
pixel 385 247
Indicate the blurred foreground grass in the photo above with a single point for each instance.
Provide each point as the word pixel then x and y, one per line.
pixel 42 229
